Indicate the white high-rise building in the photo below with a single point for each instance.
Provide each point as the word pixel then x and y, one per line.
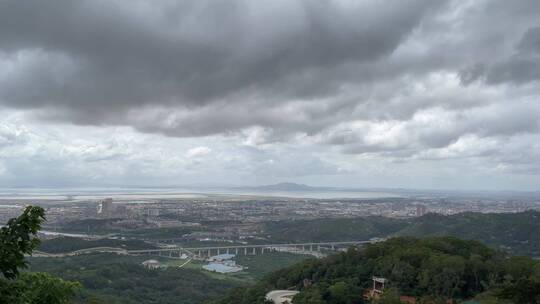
pixel 106 207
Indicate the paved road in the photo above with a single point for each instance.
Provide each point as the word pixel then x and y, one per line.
pixel 38 253
pixel 281 296
pixel 337 243
pixel 187 262
pixel 193 249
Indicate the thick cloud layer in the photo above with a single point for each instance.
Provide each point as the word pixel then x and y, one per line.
pixel 95 62
pixel 447 82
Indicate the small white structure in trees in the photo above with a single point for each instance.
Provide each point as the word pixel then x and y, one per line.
pixel 151 264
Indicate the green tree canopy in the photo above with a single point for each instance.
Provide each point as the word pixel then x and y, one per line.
pixel 18 238
pixel 431 270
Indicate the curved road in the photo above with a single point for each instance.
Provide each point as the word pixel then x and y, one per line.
pixel 188 250
pixel 281 296
pixel 38 253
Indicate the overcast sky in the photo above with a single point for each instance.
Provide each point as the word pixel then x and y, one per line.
pixel 415 94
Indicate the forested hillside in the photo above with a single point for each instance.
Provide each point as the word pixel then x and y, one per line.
pixel 110 278
pixel 431 270
pixel 517 233
pixel 329 229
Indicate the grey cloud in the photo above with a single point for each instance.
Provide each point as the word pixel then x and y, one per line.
pixel 92 61
pixel 521 67
pixel 11 135
pixel 403 81
pixel 515 70
pixel 530 41
pixel 282 165
pixel 435 129
pixel 519 155
pixel 472 73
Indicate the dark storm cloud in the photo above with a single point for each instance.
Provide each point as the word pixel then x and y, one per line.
pixel 403 79
pixel 530 41
pixel 91 62
pixel 521 67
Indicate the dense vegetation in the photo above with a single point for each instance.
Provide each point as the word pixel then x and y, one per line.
pixel 432 270
pixel 69 244
pixel 260 265
pixel 517 233
pixel 111 278
pixel 331 229
pixel 17 238
pixel 158 233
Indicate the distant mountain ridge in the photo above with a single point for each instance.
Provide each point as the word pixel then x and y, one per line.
pixel 287 187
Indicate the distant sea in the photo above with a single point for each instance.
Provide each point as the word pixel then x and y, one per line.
pixel 152 193
pixel 322 194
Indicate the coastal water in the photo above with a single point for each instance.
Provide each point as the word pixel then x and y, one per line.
pixel 153 194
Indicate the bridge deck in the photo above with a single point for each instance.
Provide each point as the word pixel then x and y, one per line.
pixel 190 250
pixel 253 246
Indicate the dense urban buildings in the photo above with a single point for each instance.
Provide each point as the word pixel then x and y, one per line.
pixel 244 214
